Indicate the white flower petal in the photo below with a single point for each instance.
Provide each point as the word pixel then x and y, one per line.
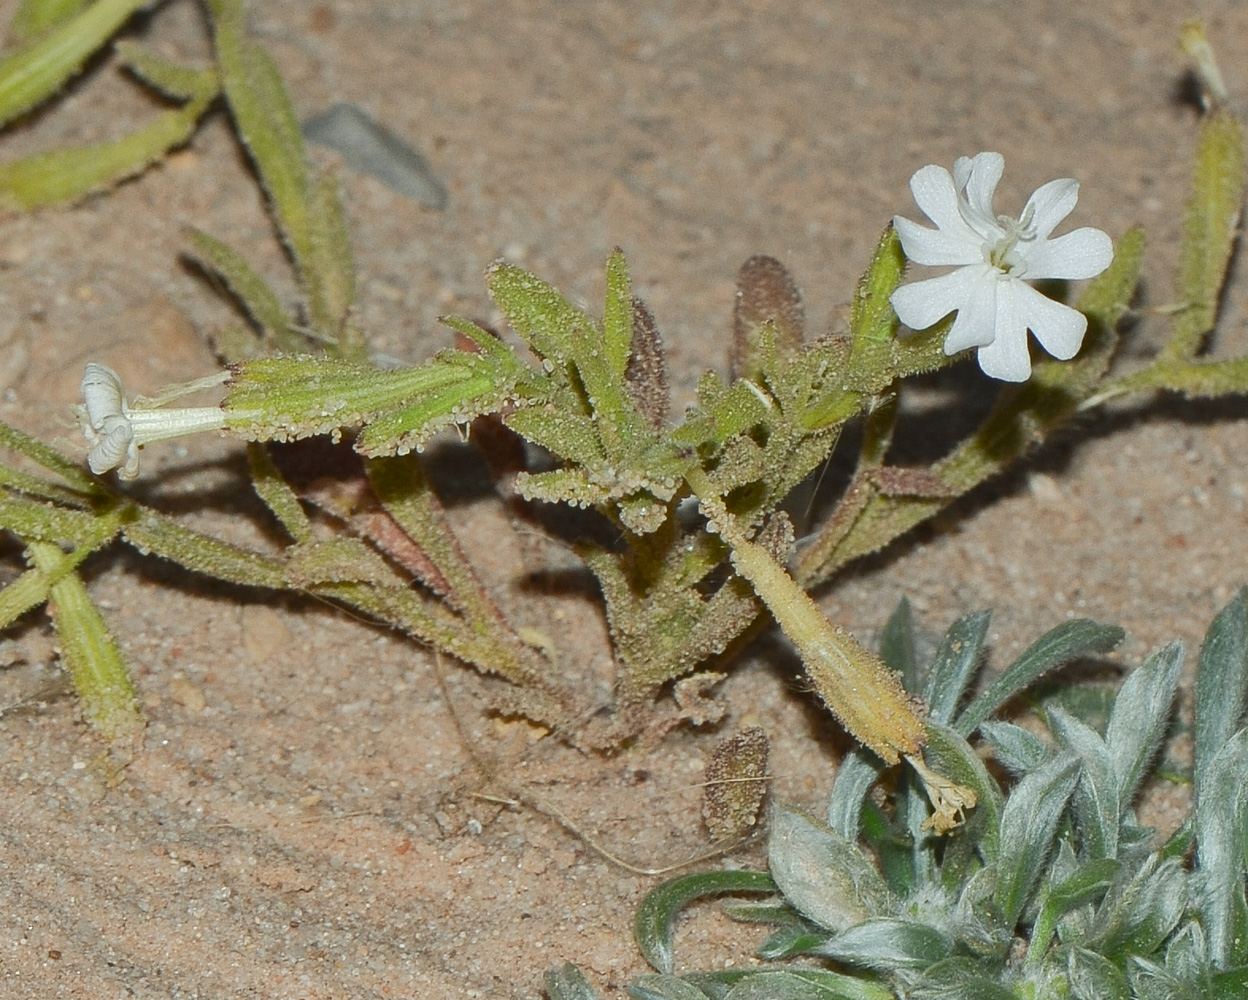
pixel 115 432
pixel 1085 253
pixel 961 172
pixel 982 179
pixel 1058 327
pixel 976 322
pixel 1007 357
pixel 1050 204
pixel 922 303
pixel 938 247
pixel 934 193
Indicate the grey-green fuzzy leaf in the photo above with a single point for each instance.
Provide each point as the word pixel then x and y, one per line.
pixel 568 983
pixel 652 926
pixel 1018 750
pixel 953 757
pixel 1221 682
pixel 1140 910
pixel 663 987
pixel 887 944
pixel 806 984
pixel 1094 977
pixel 1221 817
pixel 897 645
pixel 1140 717
pixel 821 873
pixel 955 665
pixel 854 778
pixel 1028 828
pixel 1096 796
pixel 1069 641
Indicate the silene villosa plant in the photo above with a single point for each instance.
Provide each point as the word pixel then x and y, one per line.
pixel 698 544
pixel 1051 888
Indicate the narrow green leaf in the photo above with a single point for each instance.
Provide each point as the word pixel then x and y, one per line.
pixel 269 129
pixel 36 72
pixel 821 873
pixel 251 290
pixel 774 912
pixel 655 918
pixel 954 666
pixel 1187 952
pixel 329 269
pixel 98 670
pixel 1107 297
pixel 872 322
pixel 51 523
pixel 172 79
pixel 51 459
pixel 34 587
pixel 34 17
pixel 1094 977
pixel 1068 641
pixel 797 939
pixel 433 552
pixel 1209 230
pixel 1194 379
pixel 1179 842
pixel 277 494
pixel 1140 718
pixel 1087 884
pixel 154 533
pixel 617 315
pixel 65 175
pixel 537 312
pixel 566 434
pixel 960 978
pixel 1028 829
pixel 1152 981
pixel 1221 683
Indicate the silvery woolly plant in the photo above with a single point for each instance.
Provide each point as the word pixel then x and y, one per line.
pixel 1051 889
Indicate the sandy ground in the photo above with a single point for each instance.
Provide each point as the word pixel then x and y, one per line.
pixel 302 822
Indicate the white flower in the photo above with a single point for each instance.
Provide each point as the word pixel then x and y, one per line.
pixel 995 256
pixel 115 431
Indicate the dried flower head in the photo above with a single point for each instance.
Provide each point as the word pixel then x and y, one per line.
pixel 115 431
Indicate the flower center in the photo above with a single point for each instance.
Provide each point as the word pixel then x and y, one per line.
pixel 1003 253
